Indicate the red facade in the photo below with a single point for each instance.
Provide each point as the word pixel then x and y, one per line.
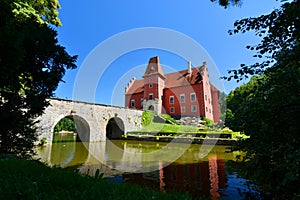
pixel 183 93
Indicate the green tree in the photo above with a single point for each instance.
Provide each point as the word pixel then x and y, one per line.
pixel 238 103
pixel 32 64
pixel 65 124
pixel 268 108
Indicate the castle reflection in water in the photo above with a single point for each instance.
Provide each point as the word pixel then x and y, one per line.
pixel 199 177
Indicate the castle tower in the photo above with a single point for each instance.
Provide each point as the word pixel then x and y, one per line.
pixel 154 83
pixel 207 108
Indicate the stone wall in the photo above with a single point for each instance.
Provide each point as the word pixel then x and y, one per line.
pixel 192 121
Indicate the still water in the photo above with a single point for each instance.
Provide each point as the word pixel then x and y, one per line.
pixel 198 169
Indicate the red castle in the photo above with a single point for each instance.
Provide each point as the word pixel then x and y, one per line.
pixel 184 93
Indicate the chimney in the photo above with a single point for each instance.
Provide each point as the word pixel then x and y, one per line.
pixel 189 67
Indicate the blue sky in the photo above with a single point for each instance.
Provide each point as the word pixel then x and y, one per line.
pixel 87 24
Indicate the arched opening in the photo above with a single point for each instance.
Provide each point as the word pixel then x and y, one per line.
pixel 64 130
pixel 151 107
pixel 67 147
pixel 115 128
pixel 70 128
pixel 82 129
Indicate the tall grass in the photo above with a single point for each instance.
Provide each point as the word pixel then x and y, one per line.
pixel 28 179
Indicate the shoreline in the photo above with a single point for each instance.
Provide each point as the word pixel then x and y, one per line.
pixel 192 140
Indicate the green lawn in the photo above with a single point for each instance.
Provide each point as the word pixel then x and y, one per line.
pixel 154 127
pixel 28 179
pixel 168 128
pixel 158 129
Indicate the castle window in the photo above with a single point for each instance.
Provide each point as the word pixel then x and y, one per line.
pixel 193 108
pixel 150 96
pixel 205 97
pixel 206 109
pixel 132 102
pixel 182 108
pixel 150 85
pixel 150 78
pixel 142 101
pixel 193 97
pixel 172 110
pixel 182 98
pixel 171 99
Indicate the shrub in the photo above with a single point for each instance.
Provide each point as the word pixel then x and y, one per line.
pixel 147 117
pixel 42 141
pixel 208 122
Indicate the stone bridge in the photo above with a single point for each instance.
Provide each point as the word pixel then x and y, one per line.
pixel 94 122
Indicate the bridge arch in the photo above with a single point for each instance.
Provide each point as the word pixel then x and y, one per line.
pixel 81 125
pixel 115 128
pixel 90 126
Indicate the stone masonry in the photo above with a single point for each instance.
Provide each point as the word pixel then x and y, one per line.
pixel 90 119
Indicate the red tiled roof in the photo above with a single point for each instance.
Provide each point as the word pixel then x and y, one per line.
pixel 174 79
pixel 182 77
pixel 136 87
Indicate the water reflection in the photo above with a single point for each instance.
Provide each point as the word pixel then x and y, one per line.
pixel 199 179
pixel 198 172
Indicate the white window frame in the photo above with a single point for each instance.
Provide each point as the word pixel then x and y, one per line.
pixel 193 110
pixel 183 109
pixel 173 100
pixel 132 102
pixel 192 95
pixel 182 95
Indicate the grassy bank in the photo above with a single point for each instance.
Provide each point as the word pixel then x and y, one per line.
pixel 164 132
pixel 28 179
pixel 159 129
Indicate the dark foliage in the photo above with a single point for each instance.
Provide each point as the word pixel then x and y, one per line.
pixel 226 3
pixel 32 64
pixel 268 108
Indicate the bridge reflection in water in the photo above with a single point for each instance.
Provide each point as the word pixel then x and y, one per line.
pixel 193 173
